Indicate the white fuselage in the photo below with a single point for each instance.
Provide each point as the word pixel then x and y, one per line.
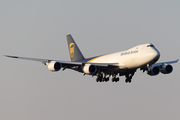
pixel 132 58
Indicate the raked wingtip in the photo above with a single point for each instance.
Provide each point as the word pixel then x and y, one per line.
pixel 10 56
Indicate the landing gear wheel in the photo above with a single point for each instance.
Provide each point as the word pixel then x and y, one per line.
pixel 106 79
pixel 128 80
pixel 103 79
pixel 96 79
pixel 117 79
pixel 129 77
pixel 113 79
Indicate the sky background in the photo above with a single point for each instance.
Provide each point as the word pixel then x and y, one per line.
pixel 38 28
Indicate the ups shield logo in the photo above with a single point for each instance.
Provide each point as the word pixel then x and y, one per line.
pixel 71 49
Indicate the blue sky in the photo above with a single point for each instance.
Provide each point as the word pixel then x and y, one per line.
pixel 38 29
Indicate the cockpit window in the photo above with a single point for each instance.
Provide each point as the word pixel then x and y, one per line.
pixel 150 46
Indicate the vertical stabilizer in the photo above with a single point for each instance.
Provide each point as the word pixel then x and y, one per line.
pixel 75 53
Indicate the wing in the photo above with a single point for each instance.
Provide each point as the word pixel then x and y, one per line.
pixel 64 63
pixel 44 60
pixel 170 62
pixel 144 68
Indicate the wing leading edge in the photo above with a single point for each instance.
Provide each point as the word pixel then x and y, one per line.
pixel 159 65
pixel 170 62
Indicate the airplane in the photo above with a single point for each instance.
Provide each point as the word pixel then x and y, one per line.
pixel 124 63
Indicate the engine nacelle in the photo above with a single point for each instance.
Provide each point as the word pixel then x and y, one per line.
pixel 154 70
pixel 89 69
pixel 54 66
pixel 166 69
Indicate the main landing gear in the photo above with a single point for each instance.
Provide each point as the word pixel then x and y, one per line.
pixel 103 78
pixel 114 79
pixel 100 78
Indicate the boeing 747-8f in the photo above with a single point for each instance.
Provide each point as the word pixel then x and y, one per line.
pixel 124 63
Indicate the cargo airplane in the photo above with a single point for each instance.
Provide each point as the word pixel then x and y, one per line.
pixel 124 63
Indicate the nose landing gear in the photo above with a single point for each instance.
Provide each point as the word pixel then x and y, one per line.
pixel 129 77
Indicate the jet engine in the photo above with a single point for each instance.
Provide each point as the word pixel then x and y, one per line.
pixel 89 69
pixel 154 70
pixel 54 66
pixel 166 69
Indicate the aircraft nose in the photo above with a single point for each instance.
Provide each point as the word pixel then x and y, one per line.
pixel 155 54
